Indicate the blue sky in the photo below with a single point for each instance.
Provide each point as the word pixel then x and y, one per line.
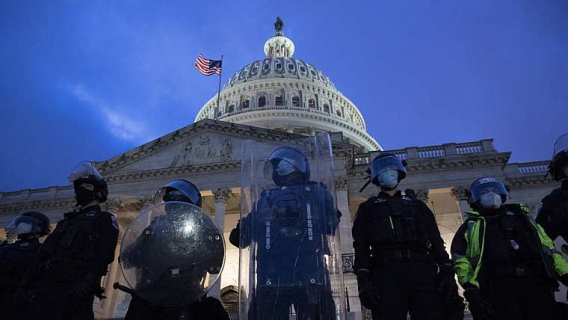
pixel 88 80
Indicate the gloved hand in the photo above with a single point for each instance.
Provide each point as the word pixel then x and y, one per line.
pixel 446 283
pixel 20 297
pixel 81 290
pixel 367 293
pixel 480 309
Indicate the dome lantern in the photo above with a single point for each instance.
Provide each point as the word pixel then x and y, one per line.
pixel 279 45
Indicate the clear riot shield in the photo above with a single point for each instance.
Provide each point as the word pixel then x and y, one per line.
pixel 172 253
pixel 290 251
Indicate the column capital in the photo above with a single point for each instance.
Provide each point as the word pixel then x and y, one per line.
pixel 460 193
pixel 342 183
pixel 145 202
pixel 113 205
pixel 221 195
pixel 422 194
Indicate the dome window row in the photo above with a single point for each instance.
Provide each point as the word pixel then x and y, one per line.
pixel 279 67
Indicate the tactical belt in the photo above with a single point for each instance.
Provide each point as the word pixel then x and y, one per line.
pixel 519 272
pixel 382 256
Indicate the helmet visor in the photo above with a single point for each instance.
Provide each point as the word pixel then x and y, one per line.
pixel 84 170
pixel 179 190
pixel 490 187
pixel 561 144
pixel 23 224
pixel 386 163
pixel 291 155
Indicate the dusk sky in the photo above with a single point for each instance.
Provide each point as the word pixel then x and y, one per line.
pixel 89 80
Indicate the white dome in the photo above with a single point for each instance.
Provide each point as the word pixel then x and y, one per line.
pixel 287 94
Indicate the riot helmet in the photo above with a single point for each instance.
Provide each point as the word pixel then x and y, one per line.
pixel 387 170
pixel 487 193
pixel 29 223
pixel 88 183
pixel 559 164
pixel 287 166
pixel 179 190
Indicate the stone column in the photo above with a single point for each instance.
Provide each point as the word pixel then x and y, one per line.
pixel 108 305
pixel 345 223
pixel 113 205
pixel 460 193
pixel 221 196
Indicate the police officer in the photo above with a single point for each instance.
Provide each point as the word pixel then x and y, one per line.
pixel 76 254
pixel 553 212
pixel 289 227
pixel 204 308
pixel 504 260
pixel 400 259
pixel 29 227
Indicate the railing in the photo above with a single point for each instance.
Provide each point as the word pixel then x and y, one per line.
pixel 432 152
pixel 467 148
pixel 533 167
pixel 362 159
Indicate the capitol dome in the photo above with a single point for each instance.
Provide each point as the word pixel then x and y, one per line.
pixel 287 94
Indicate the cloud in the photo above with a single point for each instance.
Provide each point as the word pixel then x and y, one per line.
pixel 120 125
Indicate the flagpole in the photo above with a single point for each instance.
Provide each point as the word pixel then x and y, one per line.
pixel 219 90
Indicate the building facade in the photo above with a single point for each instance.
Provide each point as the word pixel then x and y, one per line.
pixel 273 101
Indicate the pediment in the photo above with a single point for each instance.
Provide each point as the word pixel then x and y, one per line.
pixel 203 144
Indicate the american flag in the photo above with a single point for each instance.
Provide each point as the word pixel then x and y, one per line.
pixel 207 66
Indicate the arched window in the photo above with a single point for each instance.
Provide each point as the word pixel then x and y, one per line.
pixel 262 101
pixel 311 103
pixel 246 103
pixel 326 108
pixel 338 112
pixel 295 101
pixel 231 108
pixel 278 101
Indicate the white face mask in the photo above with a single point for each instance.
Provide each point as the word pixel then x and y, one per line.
pixel 284 168
pixel 23 228
pixel 491 200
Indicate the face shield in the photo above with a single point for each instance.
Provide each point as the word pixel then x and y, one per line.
pixel 559 164
pixel 23 225
pixel 560 145
pixel 382 164
pixel 179 190
pixel 84 170
pixel 285 161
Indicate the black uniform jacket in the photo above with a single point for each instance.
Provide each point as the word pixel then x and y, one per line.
pixel 553 214
pixel 385 223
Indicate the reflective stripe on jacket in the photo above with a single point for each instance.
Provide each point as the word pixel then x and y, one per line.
pixel 468 267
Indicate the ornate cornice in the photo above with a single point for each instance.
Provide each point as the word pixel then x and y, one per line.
pixel 531 181
pixel 306 114
pixel 59 204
